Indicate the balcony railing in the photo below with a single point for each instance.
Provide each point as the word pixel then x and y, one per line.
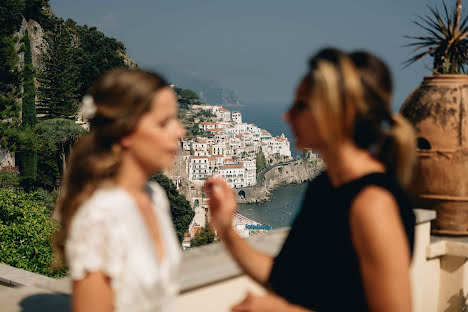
pixel 211 281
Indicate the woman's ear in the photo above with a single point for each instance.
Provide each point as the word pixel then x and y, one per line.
pixel 126 141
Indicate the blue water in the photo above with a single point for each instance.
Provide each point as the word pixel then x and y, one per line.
pixel 267 115
pixel 286 200
pixel 281 210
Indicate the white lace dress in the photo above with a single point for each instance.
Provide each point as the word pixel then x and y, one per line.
pixel 108 234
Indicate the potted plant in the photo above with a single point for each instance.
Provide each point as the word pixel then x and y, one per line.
pixel 438 109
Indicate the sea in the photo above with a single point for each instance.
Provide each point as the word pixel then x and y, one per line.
pixel 285 200
pixel 281 210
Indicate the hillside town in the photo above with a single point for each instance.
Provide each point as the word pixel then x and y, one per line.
pixel 229 148
pixel 226 147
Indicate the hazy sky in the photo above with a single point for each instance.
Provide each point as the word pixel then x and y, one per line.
pixel 257 47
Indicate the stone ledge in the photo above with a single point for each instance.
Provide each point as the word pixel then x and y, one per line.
pixel 447 246
pixel 211 264
pixel 13 277
pixel 201 267
pixel 424 215
pixel 31 298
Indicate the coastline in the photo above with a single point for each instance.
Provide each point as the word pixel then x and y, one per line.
pixel 293 172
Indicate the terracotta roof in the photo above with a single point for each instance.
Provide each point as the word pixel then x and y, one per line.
pixel 223 109
pixel 199 156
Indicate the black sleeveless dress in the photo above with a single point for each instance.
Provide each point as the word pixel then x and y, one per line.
pixel 317 266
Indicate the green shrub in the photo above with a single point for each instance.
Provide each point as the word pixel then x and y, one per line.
pixel 204 237
pixel 9 178
pixel 26 230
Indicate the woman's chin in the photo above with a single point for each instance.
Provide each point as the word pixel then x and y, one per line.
pixel 300 146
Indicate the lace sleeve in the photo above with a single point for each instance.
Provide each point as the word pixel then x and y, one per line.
pixel 96 242
pixel 159 197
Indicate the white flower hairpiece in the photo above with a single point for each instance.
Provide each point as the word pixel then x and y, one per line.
pixel 88 107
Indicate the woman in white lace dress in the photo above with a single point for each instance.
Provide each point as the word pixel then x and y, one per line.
pixel 117 236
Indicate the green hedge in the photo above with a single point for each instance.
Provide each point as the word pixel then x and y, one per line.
pixel 204 237
pixel 26 229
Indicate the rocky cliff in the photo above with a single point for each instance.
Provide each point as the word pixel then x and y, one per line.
pixel 297 171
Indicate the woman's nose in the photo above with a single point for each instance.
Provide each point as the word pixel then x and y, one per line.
pixel 287 116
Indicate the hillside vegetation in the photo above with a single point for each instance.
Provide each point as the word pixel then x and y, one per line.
pixel 47 64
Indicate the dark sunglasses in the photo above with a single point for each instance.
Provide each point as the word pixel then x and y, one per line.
pixel 297 107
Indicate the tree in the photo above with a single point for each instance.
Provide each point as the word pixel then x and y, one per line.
pixel 9 178
pixel 60 82
pixel 207 114
pixel 9 78
pixel 260 160
pixel 26 229
pixel 10 16
pixel 29 94
pixel 28 157
pixel 203 237
pixel 189 95
pixel 96 54
pixel 33 8
pixel 57 137
pixel 24 143
pixel 182 213
pixel 50 141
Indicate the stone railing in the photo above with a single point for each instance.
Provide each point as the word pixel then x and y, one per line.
pixel 212 282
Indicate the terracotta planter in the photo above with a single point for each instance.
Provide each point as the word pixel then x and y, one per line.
pixel 438 109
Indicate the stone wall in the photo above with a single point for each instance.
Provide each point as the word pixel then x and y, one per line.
pixel 297 171
pixel 7 159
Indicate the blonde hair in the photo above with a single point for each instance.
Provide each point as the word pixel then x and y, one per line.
pixel 122 97
pixel 350 96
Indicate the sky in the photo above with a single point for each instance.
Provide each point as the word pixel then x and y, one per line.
pixel 257 47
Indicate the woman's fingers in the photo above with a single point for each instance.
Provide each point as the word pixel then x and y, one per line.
pixel 244 305
pixel 218 189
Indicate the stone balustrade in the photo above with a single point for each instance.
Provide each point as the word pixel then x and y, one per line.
pixel 212 282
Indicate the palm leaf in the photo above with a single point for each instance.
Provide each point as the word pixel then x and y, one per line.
pixel 446 39
pixel 439 20
pixel 417 57
pixel 428 30
pixel 448 20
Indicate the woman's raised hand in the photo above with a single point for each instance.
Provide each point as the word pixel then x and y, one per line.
pixel 222 204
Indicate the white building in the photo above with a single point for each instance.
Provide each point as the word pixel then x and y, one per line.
pixel 223 114
pixel 208 125
pixel 218 149
pixel 271 146
pixel 199 168
pixel 233 175
pixel 237 117
pixel 250 166
pixel 186 145
pixel 200 145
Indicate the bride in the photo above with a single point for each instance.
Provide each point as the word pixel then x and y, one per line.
pixel 116 230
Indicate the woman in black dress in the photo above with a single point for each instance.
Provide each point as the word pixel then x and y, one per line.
pixel 350 246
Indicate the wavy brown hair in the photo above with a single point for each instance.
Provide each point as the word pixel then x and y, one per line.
pixel 122 97
pixel 350 95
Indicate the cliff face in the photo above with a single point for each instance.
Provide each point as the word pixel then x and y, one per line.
pixel 129 62
pixel 179 171
pixel 38 42
pixel 294 172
